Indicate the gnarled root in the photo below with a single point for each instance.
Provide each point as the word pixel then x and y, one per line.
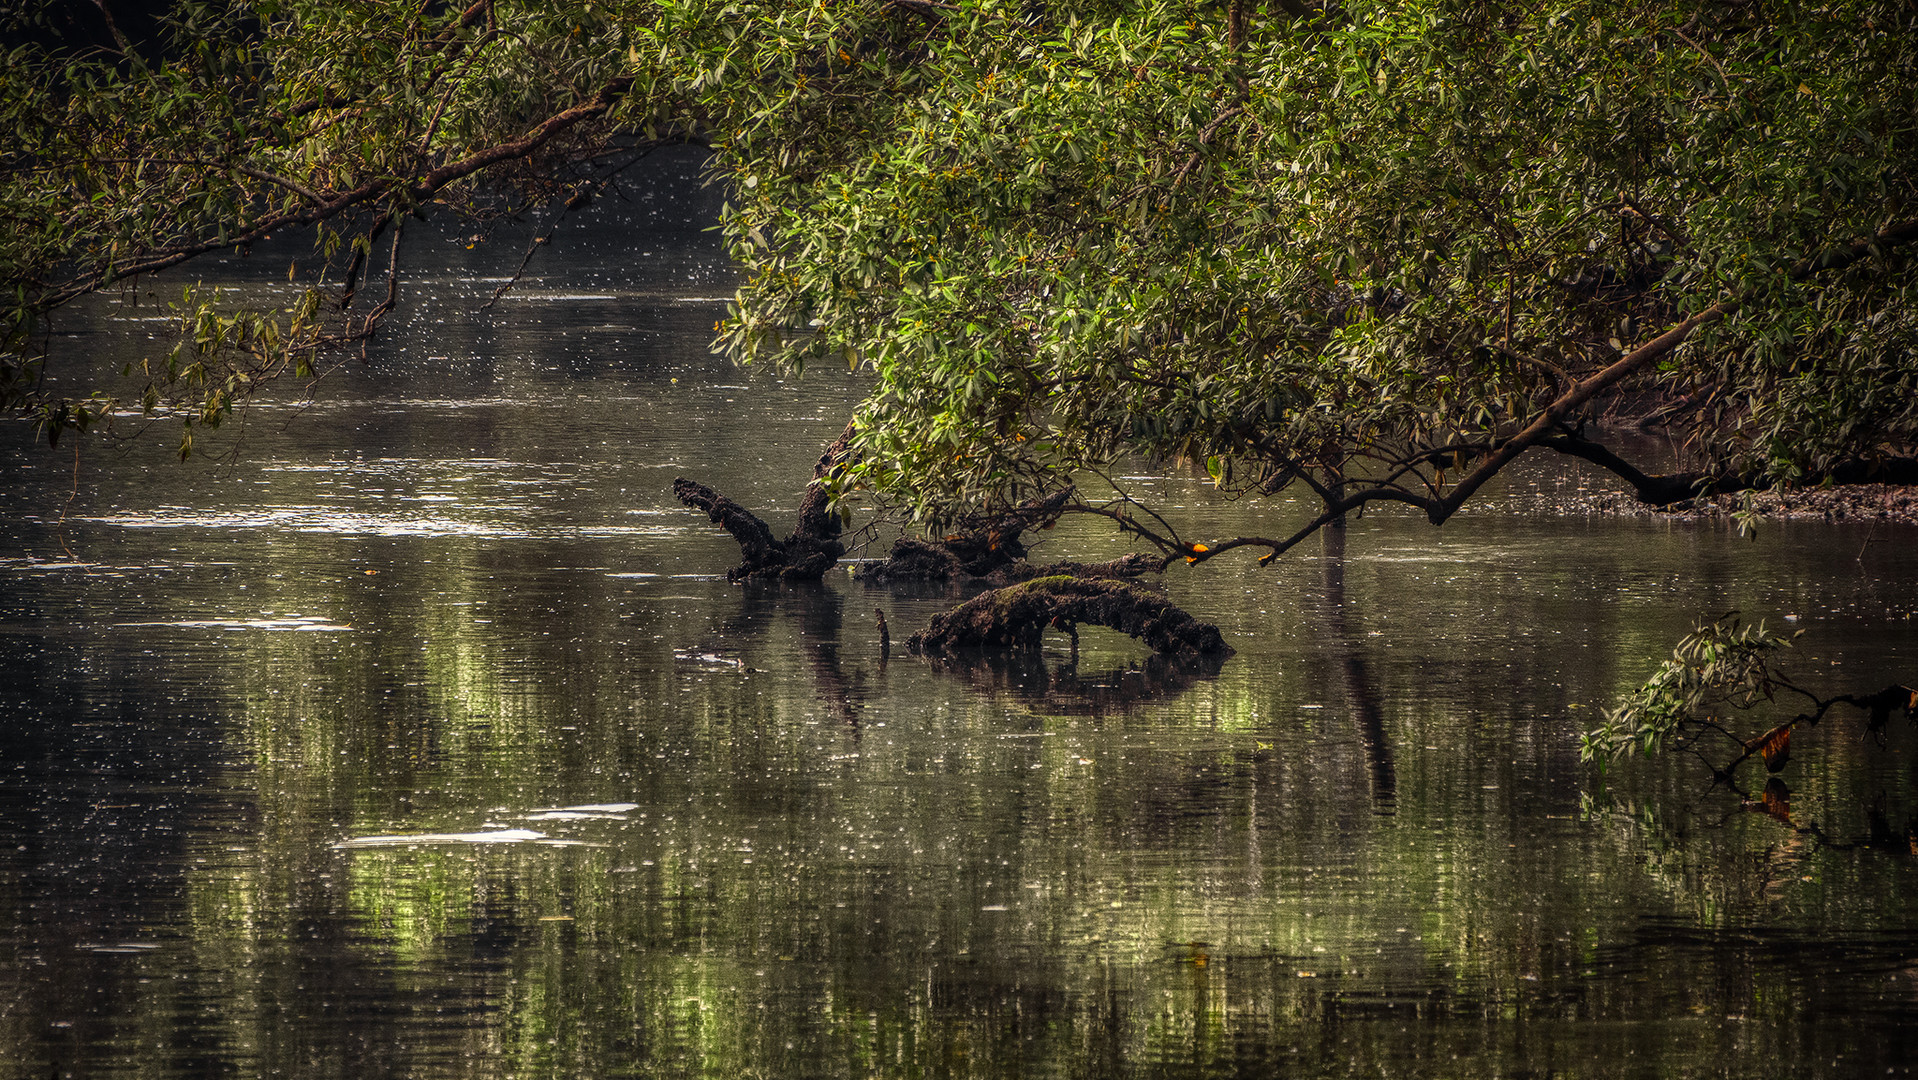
pixel 807 554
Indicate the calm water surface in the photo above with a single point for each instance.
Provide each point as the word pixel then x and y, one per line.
pixel 414 731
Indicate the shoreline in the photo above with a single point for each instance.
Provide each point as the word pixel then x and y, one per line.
pixel 1893 504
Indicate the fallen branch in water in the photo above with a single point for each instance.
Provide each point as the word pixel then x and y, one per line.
pixel 806 554
pixel 1018 616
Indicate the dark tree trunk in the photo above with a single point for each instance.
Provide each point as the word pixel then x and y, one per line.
pixel 807 554
pixel 1017 616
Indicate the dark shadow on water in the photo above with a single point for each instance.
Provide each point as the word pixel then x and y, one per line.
pixel 818 613
pixel 1361 696
pixel 1064 689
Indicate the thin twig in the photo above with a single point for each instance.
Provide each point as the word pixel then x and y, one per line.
pixel 1686 38
pixel 519 271
pixel 60 527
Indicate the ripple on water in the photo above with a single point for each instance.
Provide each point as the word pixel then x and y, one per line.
pixel 419 523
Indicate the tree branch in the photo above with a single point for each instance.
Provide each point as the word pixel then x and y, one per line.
pixel 416 190
pixel 1663 490
pixel 1546 423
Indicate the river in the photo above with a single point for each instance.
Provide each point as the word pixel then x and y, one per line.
pixel 413 730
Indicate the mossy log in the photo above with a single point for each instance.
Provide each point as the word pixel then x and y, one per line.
pixel 1018 616
pixel 805 555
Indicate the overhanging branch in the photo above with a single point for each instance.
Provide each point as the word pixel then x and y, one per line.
pixel 414 190
pixel 1547 423
pixel 1665 489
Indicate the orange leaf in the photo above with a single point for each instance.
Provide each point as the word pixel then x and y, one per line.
pixel 1776 800
pixel 1774 746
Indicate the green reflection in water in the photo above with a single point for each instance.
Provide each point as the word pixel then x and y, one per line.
pixel 1362 846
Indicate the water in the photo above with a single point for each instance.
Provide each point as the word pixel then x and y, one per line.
pixel 414 731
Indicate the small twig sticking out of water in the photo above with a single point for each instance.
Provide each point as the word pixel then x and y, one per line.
pixel 519 271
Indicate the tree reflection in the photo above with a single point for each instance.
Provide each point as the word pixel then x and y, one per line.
pixel 819 616
pixel 1065 690
pixel 1361 696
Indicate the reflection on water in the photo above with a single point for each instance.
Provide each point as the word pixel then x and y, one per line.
pixel 1361 697
pixel 484 836
pixel 293 622
pixel 546 797
pixel 1064 688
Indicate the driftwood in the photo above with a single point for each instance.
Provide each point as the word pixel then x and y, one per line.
pixel 1017 616
pixel 984 546
pixel 987 546
pixel 806 554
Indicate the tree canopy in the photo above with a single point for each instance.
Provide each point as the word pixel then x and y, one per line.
pixel 1377 250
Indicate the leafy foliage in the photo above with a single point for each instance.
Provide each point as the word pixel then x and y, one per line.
pixel 234 123
pixel 1379 250
pixel 1720 666
pixel 1719 672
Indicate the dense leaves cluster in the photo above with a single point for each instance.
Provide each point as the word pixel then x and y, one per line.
pixel 1370 245
pixel 231 124
pixel 1380 250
